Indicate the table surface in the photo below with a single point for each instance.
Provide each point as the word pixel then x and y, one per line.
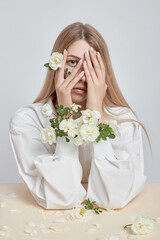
pixel 20 208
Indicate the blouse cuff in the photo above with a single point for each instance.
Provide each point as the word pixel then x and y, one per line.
pixel 103 149
pixel 66 149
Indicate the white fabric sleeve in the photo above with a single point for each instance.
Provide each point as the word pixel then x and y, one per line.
pixel 52 173
pixel 117 169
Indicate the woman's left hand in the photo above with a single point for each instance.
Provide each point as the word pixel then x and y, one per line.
pixel 95 76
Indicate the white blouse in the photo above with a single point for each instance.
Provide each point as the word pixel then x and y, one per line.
pixel 54 174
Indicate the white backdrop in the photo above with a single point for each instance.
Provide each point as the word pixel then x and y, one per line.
pixel 131 30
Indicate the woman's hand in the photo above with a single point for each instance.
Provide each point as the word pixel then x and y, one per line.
pixel 95 75
pixel 64 85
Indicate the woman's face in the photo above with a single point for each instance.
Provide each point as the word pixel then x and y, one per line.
pixel 75 52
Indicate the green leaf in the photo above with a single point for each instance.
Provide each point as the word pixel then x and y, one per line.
pixel 46 65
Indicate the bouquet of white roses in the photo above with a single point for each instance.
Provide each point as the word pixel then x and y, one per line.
pixel 83 129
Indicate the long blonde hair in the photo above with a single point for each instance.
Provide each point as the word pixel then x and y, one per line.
pixel 113 97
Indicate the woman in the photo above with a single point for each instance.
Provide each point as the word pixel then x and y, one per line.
pixel 56 174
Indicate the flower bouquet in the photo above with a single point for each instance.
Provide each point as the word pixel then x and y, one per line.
pixel 83 129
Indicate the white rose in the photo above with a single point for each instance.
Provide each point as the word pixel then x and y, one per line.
pixel 90 116
pixel 75 107
pixel 78 141
pixel 79 213
pixel 89 132
pixel 114 126
pixel 142 224
pixel 48 134
pixel 56 60
pixel 46 110
pixel 69 126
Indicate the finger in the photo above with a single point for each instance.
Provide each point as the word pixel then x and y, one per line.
pixel 87 73
pixel 101 64
pixel 72 76
pixel 72 83
pixel 96 64
pixel 60 72
pixel 90 67
pixel 75 70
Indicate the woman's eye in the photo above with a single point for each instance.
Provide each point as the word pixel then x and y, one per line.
pixel 72 62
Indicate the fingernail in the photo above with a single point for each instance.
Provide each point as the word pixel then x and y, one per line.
pixel 98 53
pixel 64 51
pixel 87 52
pixel 92 50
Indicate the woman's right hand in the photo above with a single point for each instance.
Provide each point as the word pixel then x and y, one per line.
pixel 63 85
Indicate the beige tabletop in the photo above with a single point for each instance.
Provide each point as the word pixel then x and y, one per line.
pixel 22 218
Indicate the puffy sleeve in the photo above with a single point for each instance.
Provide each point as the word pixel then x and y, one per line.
pixel 117 168
pixel 52 173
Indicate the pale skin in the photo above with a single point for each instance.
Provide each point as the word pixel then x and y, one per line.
pixel 89 73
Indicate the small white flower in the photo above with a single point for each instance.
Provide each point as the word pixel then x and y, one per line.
pixel 69 126
pixel 78 141
pixel 141 224
pixel 89 132
pixel 90 116
pixel 48 134
pixel 75 107
pixel 114 126
pixel 79 213
pixel 46 110
pixel 56 60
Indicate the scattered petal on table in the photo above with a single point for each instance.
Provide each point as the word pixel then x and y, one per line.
pixel 2 204
pixel 43 228
pixel 30 232
pixel 91 230
pixel 13 210
pixel 157 219
pixel 60 220
pixel 97 225
pixel 31 224
pixel 4 234
pixel 113 237
pixel 12 194
pixel 4 228
pixel 54 228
